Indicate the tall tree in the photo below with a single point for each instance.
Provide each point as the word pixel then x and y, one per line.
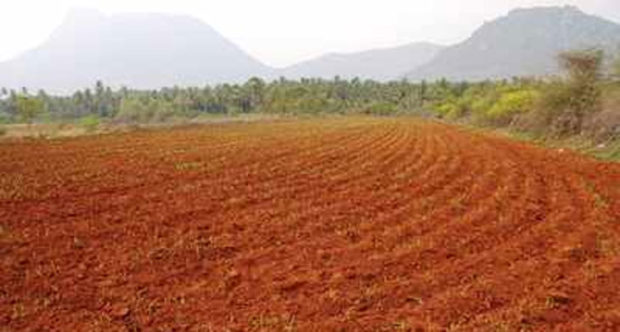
pixel 584 74
pixel 28 108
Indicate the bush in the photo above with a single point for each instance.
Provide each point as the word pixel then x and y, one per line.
pixel 552 102
pixel 564 105
pixel 162 110
pixel 481 105
pixel 312 105
pixel 382 109
pixel 583 91
pixel 3 131
pixel 511 104
pixel 445 108
pixel 605 125
pixel 4 118
pixel 134 110
pixel 90 123
pixel 457 107
pixel 29 108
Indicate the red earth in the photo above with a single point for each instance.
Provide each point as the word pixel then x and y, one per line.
pixel 313 225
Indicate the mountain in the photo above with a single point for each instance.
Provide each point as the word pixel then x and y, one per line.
pixel 526 42
pixel 143 51
pixel 380 64
pixel 149 51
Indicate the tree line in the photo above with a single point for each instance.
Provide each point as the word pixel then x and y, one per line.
pixel 306 96
pixel 562 104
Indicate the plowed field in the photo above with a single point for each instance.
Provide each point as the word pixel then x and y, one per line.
pixel 319 225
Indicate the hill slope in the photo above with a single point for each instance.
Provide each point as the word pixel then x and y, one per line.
pixel 137 50
pixel 523 43
pixel 379 64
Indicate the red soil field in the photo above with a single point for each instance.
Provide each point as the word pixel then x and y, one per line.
pixel 312 225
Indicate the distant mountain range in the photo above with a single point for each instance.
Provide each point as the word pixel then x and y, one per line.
pixel 526 42
pixel 149 51
pixel 380 64
pixel 144 51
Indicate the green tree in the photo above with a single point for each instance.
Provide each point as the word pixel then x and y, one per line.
pixel 102 100
pixel 28 108
pixel 254 89
pixel 132 109
pixel 511 104
pixel 583 88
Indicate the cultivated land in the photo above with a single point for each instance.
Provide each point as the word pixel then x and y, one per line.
pixel 362 224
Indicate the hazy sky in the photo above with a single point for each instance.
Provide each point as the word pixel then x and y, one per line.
pixel 280 32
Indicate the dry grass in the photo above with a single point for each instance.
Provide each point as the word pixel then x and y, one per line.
pixel 63 129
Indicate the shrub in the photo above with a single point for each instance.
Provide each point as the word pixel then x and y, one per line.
pixel 564 104
pixel 509 105
pixel 552 102
pixel 453 108
pixel 2 131
pixel 605 125
pixel 583 92
pixel 445 108
pixel 29 108
pixel 90 123
pixel 4 118
pixel 312 105
pixel 162 110
pixel 481 102
pixel 382 109
pixel 134 110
